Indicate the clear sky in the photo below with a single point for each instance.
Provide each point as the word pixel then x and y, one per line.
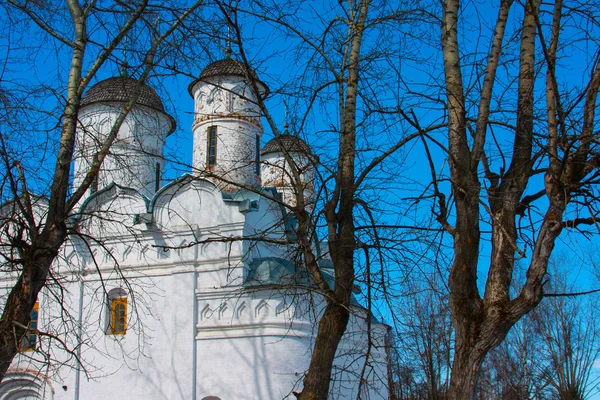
pixel 404 71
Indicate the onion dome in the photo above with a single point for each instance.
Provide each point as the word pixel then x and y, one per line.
pixel 286 142
pixel 119 89
pixel 227 67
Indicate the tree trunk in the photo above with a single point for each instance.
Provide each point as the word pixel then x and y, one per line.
pixel 339 212
pixel 331 329
pixel 465 370
pixel 21 299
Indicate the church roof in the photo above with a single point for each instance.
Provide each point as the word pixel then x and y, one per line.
pixel 291 144
pixel 278 271
pixel 120 89
pixel 228 67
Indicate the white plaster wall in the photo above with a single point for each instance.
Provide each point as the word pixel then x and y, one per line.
pixel 225 95
pixel 258 344
pixel 136 151
pixel 266 368
pixel 194 331
pixel 229 104
pixel 151 361
pixel 275 171
pixel 236 153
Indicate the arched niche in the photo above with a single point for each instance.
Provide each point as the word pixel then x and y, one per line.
pixel 25 386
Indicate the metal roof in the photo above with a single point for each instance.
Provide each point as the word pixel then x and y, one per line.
pixel 228 66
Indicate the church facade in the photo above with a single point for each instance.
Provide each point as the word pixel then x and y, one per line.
pixel 193 290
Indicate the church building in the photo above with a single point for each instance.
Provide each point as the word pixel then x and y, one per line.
pixel 193 290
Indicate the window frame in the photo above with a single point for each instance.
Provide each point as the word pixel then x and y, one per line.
pixel 114 297
pixel 211 144
pixel 257 156
pixel 118 328
pixel 28 341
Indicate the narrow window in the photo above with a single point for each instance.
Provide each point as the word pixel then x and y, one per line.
pixel 29 340
pixel 212 147
pixel 158 177
pixel 94 185
pixel 118 316
pixel 257 155
pixel 231 100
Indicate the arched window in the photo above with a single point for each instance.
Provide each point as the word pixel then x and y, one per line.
pixel 117 312
pixel 29 339
pixel 211 398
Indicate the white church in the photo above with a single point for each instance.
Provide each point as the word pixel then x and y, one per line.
pixel 191 290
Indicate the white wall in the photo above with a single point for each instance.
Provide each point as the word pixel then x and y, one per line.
pixel 194 330
pixel 135 153
pixel 228 104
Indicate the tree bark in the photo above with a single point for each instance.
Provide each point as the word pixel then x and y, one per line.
pixel 465 371
pixel 21 299
pixel 331 329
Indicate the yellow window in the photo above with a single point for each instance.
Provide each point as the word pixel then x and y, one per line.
pixel 118 316
pixel 29 339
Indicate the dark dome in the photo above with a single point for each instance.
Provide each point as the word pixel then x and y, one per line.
pixel 227 67
pixel 119 89
pixel 293 144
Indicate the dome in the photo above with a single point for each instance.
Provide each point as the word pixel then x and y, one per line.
pixel 292 144
pixel 119 89
pixel 227 67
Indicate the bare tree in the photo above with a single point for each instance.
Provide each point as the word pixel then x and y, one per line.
pixel 340 71
pixel 568 330
pixel 498 131
pixel 514 139
pixel 424 332
pixel 514 369
pixel 496 168
pixel 340 201
pixel 93 34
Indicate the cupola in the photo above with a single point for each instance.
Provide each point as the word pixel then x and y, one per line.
pixel 227 124
pixel 136 159
pixel 276 170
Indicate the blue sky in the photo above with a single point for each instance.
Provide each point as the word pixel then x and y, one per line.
pixel 408 50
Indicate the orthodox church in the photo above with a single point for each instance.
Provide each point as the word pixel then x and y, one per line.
pixel 191 290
